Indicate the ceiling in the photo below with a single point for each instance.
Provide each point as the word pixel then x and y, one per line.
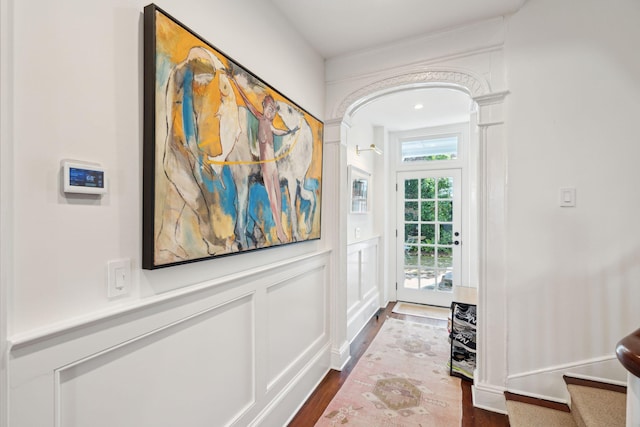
pixel 339 27
pixel 397 112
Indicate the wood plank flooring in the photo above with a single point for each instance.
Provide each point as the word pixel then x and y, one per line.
pixel 313 408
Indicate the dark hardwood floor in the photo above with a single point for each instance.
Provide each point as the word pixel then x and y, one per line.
pixel 319 400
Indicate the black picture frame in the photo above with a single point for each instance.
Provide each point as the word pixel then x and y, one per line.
pixel 212 175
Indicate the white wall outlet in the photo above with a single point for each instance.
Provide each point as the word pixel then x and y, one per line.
pixel 118 278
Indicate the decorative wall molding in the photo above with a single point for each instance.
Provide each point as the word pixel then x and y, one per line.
pixel 145 341
pixel 363 283
pixel 548 383
pixel 489 397
pixel 465 80
pixel 489 120
pixel 48 368
pixel 32 337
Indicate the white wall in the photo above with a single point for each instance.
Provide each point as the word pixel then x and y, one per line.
pixel 78 94
pixel 467 59
pixel 74 70
pixel 573 273
pixel 362 226
pixel 558 285
pixel 365 261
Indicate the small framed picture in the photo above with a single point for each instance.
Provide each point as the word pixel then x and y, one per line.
pixel 359 181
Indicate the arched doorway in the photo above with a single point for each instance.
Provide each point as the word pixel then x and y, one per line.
pixel 426 143
pixel 487 134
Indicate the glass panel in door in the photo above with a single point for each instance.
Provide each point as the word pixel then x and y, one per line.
pixel 428 236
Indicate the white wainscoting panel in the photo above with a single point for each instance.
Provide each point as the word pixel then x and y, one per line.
pixel 353 279
pixel 369 270
pixel 363 286
pixel 241 350
pixel 296 321
pixel 168 378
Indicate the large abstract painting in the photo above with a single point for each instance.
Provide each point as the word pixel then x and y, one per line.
pixel 230 164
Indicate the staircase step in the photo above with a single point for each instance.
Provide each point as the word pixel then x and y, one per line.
pixel 527 415
pixel 594 407
pixel 526 411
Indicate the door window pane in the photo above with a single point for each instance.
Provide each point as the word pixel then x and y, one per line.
pixel 427 256
pixel 428 279
pixel 411 211
pixel 411 277
pixel 428 211
pixel 411 189
pixel 445 188
pixel 445 258
pixel 411 233
pixel 428 188
pixel 445 211
pixel 428 233
pixel 410 255
pixel 445 280
pixel 445 232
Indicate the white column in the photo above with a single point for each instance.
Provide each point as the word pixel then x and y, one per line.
pixel 633 400
pixel 491 368
pixel 6 197
pixel 334 234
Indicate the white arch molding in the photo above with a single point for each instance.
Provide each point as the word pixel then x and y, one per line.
pixel 465 81
pixel 489 137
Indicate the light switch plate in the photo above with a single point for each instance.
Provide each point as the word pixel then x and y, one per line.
pixel 567 197
pixel 118 278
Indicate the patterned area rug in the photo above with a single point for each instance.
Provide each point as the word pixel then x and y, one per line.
pixel 402 380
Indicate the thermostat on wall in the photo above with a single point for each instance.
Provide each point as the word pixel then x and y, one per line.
pixel 86 178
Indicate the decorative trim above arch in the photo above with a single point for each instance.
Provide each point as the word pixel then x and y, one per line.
pixel 474 85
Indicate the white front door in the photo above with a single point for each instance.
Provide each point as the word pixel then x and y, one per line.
pixel 428 236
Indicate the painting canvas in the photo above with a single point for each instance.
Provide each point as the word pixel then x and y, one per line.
pixel 230 164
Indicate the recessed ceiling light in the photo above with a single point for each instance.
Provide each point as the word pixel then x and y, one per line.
pixel 418 106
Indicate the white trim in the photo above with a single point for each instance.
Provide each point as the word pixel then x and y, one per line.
pixel 449 77
pixel 540 396
pixel 32 337
pixel 548 383
pixel 272 382
pixel 287 390
pixel 488 124
pixel 491 216
pixel 597 379
pixel 6 200
pixel 562 367
pixel 633 400
pixel 489 397
pixel 340 356
pixel 58 372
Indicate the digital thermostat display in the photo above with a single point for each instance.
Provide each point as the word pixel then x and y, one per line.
pixel 84 178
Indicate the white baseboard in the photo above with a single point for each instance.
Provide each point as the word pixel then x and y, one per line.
pixel 548 383
pixel 288 397
pixel 340 356
pixel 359 318
pixel 489 397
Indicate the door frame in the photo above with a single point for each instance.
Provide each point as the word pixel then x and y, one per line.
pixel 467 162
pixel 435 297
